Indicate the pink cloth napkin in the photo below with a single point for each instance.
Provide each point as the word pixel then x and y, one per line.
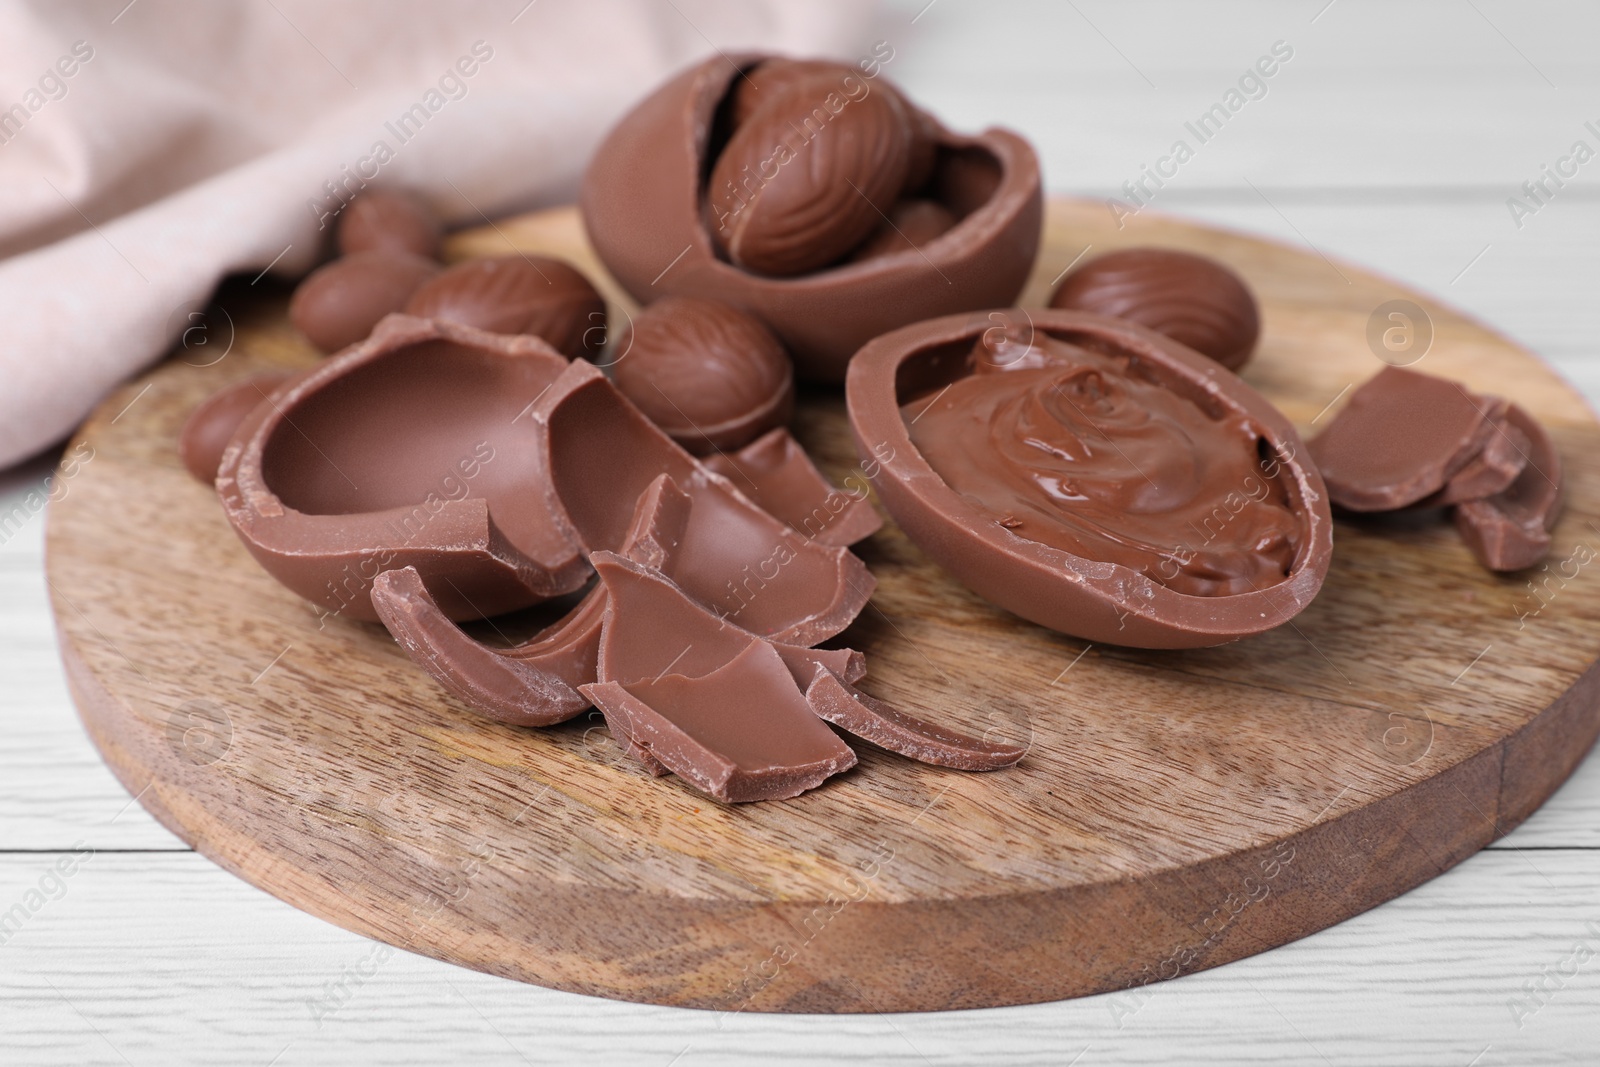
pixel 149 148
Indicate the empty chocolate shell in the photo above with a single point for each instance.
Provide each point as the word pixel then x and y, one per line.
pixel 411 449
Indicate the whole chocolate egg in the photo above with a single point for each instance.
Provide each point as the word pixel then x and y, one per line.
pixel 645 188
pixel 535 295
pixel 339 303
pixel 389 220
pixel 1192 299
pixel 713 377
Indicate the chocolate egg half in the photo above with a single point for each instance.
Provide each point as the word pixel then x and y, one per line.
pixel 1092 476
pixel 642 198
pixel 411 449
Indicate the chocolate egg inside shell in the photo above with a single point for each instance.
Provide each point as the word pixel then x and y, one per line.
pixel 410 449
pixel 642 206
pixel 1092 476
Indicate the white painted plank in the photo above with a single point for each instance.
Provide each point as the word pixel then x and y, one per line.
pixel 165 959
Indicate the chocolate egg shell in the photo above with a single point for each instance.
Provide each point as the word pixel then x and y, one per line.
pixel 641 206
pixel 519 294
pixel 1093 599
pixel 1194 300
pixel 389 220
pixel 339 303
pixel 412 449
pixel 711 376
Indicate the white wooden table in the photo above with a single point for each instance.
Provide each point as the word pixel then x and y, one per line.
pixel 1392 137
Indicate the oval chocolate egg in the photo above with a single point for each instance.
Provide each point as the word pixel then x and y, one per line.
pixel 1092 476
pixel 535 295
pixel 1194 300
pixel 339 303
pixel 644 200
pixel 713 377
pixel 389 220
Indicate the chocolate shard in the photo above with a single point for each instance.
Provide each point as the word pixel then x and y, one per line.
pixel 598 454
pixel 776 473
pixel 888 727
pixel 534 683
pixel 212 424
pixel 1400 438
pixel 533 686
pixel 1491 471
pixel 1511 530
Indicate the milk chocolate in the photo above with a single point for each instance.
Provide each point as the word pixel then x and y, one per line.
pixel 1399 439
pixel 389 220
pixel 213 422
pixel 1491 471
pixel 1511 530
pixel 910 224
pixel 535 295
pixel 642 197
pixel 339 303
pixel 1192 299
pixel 1059 522
pixel 412 448
pixel 712 376
pixel 776 473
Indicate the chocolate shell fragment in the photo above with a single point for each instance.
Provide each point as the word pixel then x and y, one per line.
pixel 776 473
pixel 1410 439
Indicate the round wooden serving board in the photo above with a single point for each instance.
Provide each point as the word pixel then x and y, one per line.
pixel 1175 811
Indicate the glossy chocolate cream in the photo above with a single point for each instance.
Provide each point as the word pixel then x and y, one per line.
pixel 389 220
pixel 413 448
pixel 212 424
pixel 1092 475
pixel 1073 448
pixel 647 207
pixel 1401 436
pixel 535 295
pixel 1192 299
pixel 339 303
pixel 712 376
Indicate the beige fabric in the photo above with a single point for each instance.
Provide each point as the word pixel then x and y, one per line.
pixel 147 149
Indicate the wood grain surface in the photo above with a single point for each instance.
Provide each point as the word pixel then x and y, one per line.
pixel 1175 811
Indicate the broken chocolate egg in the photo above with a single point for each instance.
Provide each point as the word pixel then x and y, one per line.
pixel 1511 529
pixel 535 295
pixel 389 220
pixel 1092 476
pixel 339 303
pixel 642 207
pixel 1192 299
pixel 710 375
pixel 776 473
pixel 412 449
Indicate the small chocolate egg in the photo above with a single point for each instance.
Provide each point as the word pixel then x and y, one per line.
pixel 1194 300
pixel 209 428
pixel 339 303
pixel 389 220
pixel 710 375
pixel 911 224
pixel 519 294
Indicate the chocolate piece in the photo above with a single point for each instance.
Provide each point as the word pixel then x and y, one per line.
pixel 1491 471
pixel 710 375
pixel 1511 530
pixel 597 454
pixel 410 449
pixel 519 294
pixel 807 176
pixel 389 220
pixel 910 225
pixel 1086 391
pixel 1400 438
pixel 641 205
pixel 534 683
pixel 775 472
pixel 1194 300
pixel 890 728
pixel 212 423
pixel 339 303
